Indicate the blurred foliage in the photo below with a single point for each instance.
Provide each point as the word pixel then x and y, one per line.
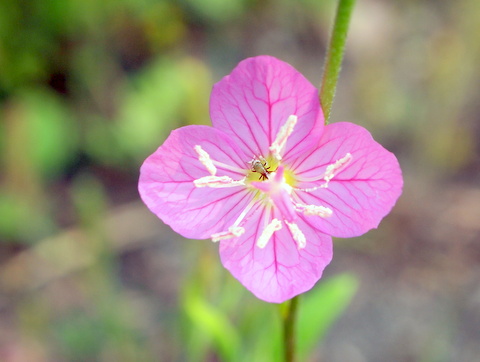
pixel 321 308
pixel 45 124
pixel 222 319
pixel 89 88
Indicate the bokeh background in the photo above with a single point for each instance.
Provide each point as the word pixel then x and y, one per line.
pixel 88 89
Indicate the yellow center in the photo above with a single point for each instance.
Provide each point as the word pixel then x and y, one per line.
pixel 289 177
pixel 260 166
pixel 268 165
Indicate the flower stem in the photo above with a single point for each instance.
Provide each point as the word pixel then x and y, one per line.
pixel 289 319
pixel 335 50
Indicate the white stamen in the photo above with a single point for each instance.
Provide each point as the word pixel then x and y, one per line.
pixel 322 186
pixel 336 167
pixel 297 234
pixel 233 232
pixel 205 159
pixel 314 210
pixel 268 231
pixel 286 130
pixel 330 172
pixel 217 182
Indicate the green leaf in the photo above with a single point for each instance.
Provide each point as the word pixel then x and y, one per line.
pixel 320 308
pixel 212 325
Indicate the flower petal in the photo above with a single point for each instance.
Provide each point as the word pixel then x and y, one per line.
pixel 166 182
pixel 361 192
pixel 280 270
pixel 255 101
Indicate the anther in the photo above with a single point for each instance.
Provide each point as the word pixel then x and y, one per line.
pixel 267 233
pixel 285 131
pixel 314 210
pixel 233 232
pixel 217 182
pixel 297 235
pixel 331 171
pixel 336 167
pixel 205 159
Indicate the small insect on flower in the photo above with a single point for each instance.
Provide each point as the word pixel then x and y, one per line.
pixel 260 165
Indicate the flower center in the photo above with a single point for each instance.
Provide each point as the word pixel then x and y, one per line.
pixel 275 187
pixel 261 168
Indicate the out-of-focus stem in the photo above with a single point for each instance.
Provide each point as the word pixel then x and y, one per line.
pixel 289 320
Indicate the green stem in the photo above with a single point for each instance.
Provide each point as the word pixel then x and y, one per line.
pixel 333 64
pixel 335 50
pixel 289 320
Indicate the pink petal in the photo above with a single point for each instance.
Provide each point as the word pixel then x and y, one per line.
pixel 362 193
pixel 256 99
pixel 166 182
pixel 280 271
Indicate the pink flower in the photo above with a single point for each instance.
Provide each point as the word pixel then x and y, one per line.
pixel 269 181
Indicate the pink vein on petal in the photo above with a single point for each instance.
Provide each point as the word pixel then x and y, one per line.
pixel 166 182
pixel 362 193
pixel 271 91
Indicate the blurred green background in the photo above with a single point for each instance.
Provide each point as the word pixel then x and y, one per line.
pixel 88 89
